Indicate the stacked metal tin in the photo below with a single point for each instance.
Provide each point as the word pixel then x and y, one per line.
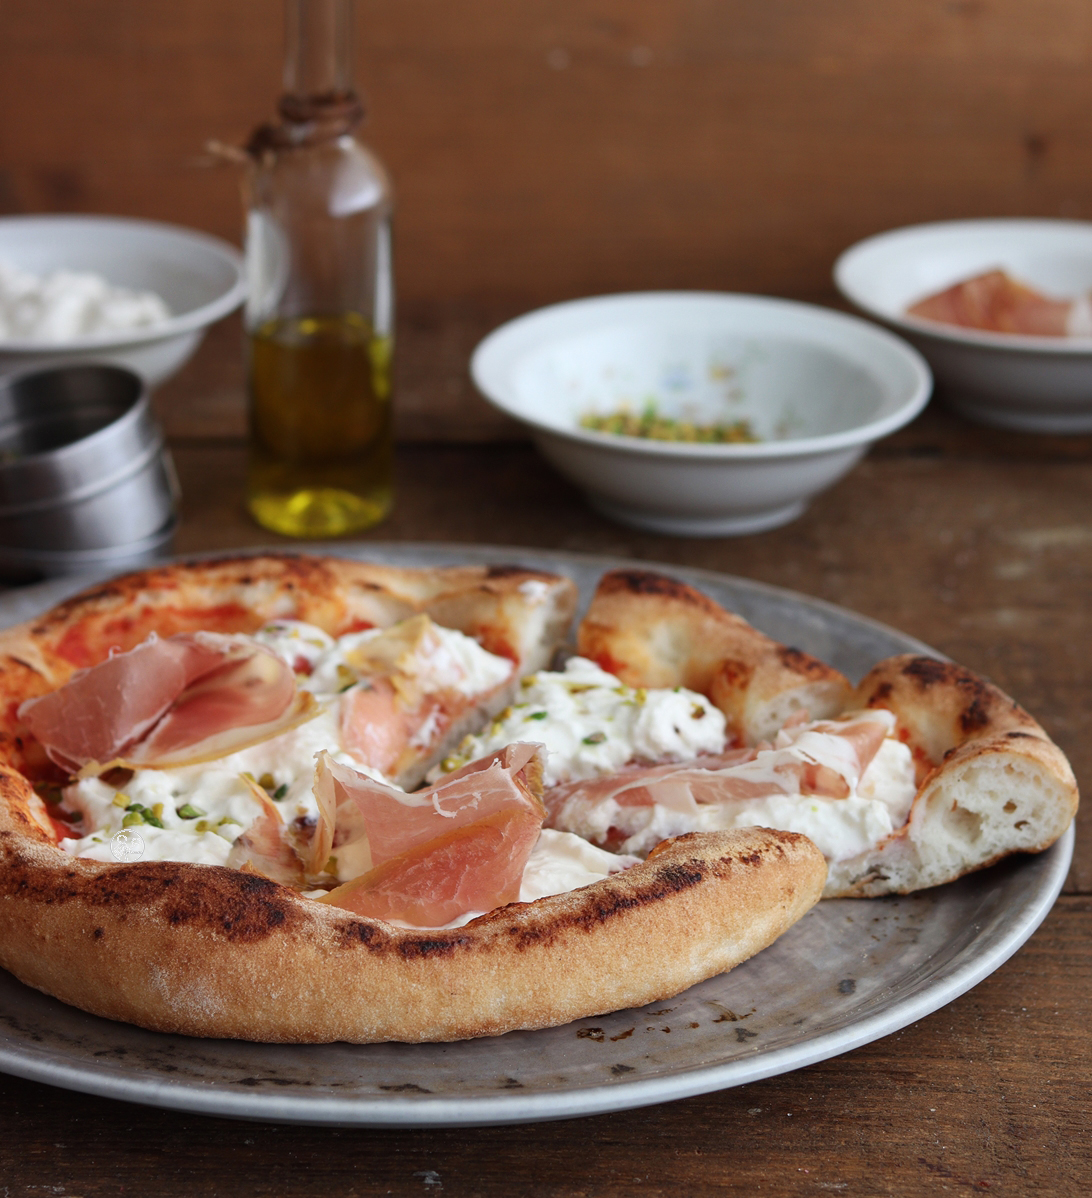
pixel 86 480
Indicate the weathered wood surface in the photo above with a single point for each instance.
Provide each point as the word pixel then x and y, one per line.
pixel 980 544
pixel 547 149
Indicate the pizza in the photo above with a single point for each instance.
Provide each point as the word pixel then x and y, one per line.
pixel 303 799
pixel 213 818
pixel 920 774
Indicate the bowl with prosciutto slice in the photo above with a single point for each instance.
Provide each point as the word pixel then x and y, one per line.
pixel 999 308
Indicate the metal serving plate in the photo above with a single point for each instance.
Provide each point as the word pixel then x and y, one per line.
pixel 848 973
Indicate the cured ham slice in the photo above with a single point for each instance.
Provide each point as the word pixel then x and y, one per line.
pixel 166 703
pixel 262 848
pixel 416 687
pixel 376 727
pixel 825 759
pixel 433 856
pixel 997 303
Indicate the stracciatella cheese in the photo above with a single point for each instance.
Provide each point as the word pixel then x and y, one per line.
pixel 284 765
pixel 878 801
pixel 67 304
pixel 592 725
pixel 445 658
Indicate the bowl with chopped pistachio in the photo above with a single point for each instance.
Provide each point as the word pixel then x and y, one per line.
pixel 700 413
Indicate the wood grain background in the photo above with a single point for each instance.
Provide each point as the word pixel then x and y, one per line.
pixel 552 148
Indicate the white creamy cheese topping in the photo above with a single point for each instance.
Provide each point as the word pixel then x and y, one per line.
pixel 878 803
pixel 217 791
pixel 592 725
pixel 67 304
pixel 444 659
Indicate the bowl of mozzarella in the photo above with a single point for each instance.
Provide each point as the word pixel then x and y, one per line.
pixel 700 413
pixel 999 308
pixel 132 293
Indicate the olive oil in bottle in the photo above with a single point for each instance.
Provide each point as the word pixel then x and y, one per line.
pixel 320 416
pixel 319 313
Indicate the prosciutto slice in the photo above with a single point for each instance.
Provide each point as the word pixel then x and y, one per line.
pixel 824 759
pixel 414 690
pixel 432 856
pixel 166 703
pixel 262 848
pixel 997 303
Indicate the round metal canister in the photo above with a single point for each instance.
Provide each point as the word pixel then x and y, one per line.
pixel 83 464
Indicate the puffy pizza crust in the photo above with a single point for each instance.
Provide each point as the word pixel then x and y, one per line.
pixel 994 783
pixel 208 951
pixel 991 782
pixel 651 630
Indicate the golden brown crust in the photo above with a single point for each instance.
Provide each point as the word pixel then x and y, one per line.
pixel 208 951
pixel 653 631
pixel 991 782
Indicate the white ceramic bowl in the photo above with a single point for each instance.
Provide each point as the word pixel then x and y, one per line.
pixel 200 278
pixel 816 386
pixel 1038 384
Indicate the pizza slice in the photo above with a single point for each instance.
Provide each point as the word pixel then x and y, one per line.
pixel 921 774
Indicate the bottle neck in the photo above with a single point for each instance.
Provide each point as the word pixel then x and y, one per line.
pixel 318 66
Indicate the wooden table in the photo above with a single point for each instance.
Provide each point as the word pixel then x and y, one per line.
pixel 979 543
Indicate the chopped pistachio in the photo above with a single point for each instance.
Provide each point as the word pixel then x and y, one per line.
pixel 157 810
pixel 267 781
pixel 596 738
pixel 188 811
pixel 651 425
pixel 537 715
pixel 202 825
pixel 697 711
pixel 121 799
pixel 132 818
pixel 227 820
pixel 281 791
pixel 331 865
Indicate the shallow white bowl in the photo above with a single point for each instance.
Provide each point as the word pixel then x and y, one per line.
pixel 200 278
pixel 818 387
pixel 1038 384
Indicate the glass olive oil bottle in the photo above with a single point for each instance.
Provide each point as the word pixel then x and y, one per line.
pixel 319 315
